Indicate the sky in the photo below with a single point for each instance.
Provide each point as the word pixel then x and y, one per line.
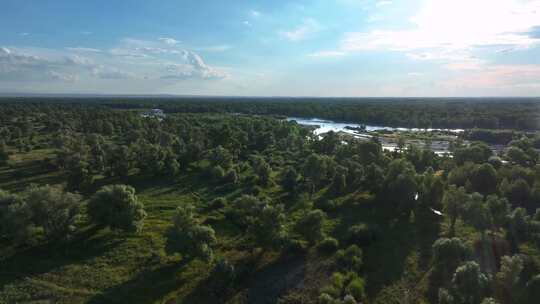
pixel 271 48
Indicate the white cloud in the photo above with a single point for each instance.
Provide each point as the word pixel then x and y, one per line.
pixel 456 24
pixel 327 54
pixel 383 3
pixel 254 13
pixel 246 23
pixel 169 41
pixel 214 48
pixel 131 59
pixel 498 77
pixel 307 29
pixel 83 50
pixel 194 67
pixel 16 65
pixel 103 72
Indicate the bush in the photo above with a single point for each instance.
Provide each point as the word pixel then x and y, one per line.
pixel 45 209
pixel 310 226
pixel 55 211
pixel 217 173
pixel 361 234
pixel 328 245
pixel 231 176
pixel 217 203
pixel 223 275
pixel 325 204
pixel 117 206
pixel 356 288
pixel 295 246
pixel 350 258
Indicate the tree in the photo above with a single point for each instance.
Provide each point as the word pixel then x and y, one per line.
pixel 190 238
pixel 195 242
pixel 477 214
pixel 517 156
pixel 401 186
pixel 339 181
pixel 55 211
pixel 533 290
pixel 454 201
pixel 508 277
pixel 518 224
pixel 118 207
pixel 310 226
pixel 263 171
pixel 268 227
pixel 290 180
pixel 315 169
pixel 518 192
pixel 469 283
pixel 244 209
pixel 79 177
pixel 430 195
pixel 231 176
pixel 374 178
pixel 184 217
pixel 484 179
pixel 499 209
pixel 350 258
pixel 448 254
pixel 15 218
pixel 172 166
pixel 4 155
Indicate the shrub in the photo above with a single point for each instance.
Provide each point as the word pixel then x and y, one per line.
pixel 350 258
pixel 325 204
pixel 361 234
pixel 310 226
pixel 328 245
pixel 356 288
pixel 217 203
pixel 53 210
pixel 117 206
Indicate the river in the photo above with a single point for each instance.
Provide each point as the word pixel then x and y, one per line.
pixel 361 131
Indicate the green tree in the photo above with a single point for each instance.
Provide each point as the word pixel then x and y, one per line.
pixel 55 211
pixel 268 227
pixel 484 179
pixel 469 283
pixel 194 242
pixel 290 180
pixel 79 177
pixel 454 201
pixel 118 207
pixel 15 218
pixel 499 209
pixel 508 278
pixel 315 169
pixel 4 155
pixel 310 226
pixel 448 254
pixel 477 214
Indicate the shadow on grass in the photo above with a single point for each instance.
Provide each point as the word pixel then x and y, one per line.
pixel 22 175
pixel 265 285
pixel 147 287
pixel 384 258
pixel 47 257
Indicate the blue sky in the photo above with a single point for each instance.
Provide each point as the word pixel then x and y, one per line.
pixel 272 48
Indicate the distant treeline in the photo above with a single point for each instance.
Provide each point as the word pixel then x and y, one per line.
pixel 466 113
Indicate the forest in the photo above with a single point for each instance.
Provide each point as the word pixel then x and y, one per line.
pixel 224 201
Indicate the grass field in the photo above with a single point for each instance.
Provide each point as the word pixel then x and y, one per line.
pixel 103 266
